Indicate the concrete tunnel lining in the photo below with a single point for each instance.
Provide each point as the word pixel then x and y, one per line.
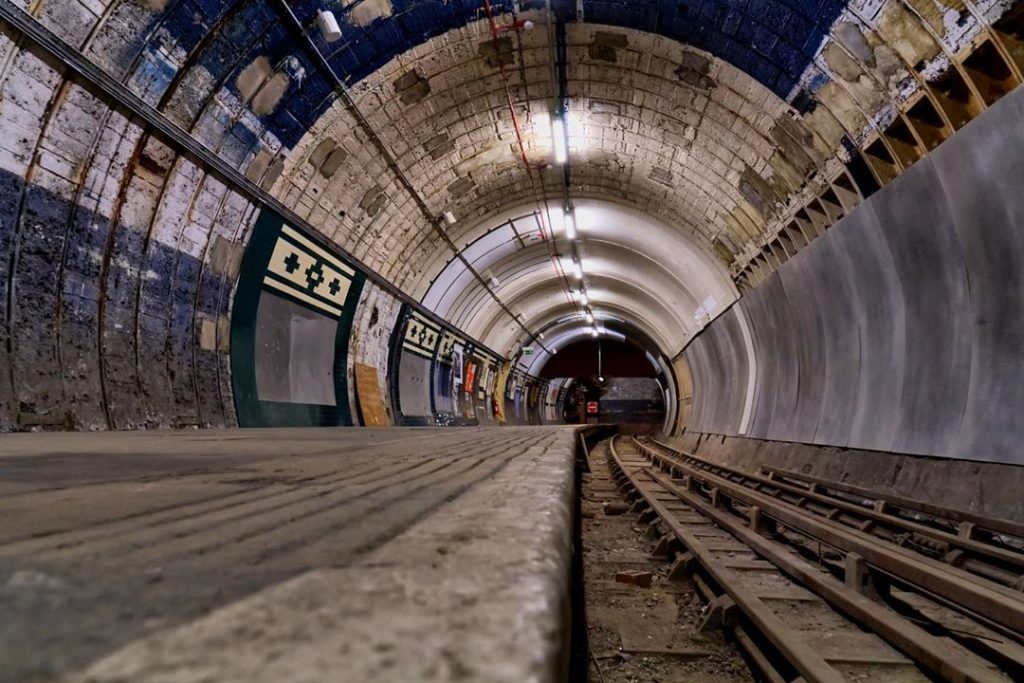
pixel 877 336
pixel 746 151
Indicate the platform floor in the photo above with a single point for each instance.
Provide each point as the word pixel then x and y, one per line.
pixel 274 555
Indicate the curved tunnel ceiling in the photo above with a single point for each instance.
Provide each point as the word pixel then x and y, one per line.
pixel 660 278
pixel 679 113
pixel 563 332
pixel 695 128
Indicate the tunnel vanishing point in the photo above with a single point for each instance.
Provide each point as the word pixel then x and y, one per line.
pixel 806 214
pixel 792 231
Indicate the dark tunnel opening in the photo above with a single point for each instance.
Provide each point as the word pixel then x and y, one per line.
pixel 612 381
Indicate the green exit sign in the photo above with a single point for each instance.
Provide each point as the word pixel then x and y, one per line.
pixel 527 350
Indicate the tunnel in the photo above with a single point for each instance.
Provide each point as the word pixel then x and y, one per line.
pixel 411 255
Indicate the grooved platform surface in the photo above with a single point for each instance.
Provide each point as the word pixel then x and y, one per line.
pixel 396 554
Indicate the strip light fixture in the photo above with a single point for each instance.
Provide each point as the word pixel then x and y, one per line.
pixel 559 140
pixel 570 225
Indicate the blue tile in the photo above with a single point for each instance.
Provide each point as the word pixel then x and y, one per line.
pixel 772 40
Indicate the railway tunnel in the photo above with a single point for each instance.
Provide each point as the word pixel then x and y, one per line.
pixel 318 318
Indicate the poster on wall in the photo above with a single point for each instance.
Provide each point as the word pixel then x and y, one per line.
pixel 414 344
pixel 457 365
pixel 486 385
pixel 290 327
pixel 498 394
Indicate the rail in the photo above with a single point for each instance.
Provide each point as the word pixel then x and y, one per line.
pixel 735 539
pixel 950 539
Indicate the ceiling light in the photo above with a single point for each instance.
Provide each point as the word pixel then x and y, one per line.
pixel 449 218
pixel 590 317
pixel 577 270
pixel 559 140
pixel 570 225
pixel 583 299
pixel 328 26
pixel 593 332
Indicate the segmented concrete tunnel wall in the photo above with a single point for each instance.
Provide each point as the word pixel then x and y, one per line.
pixel 120 253
pixel 901 328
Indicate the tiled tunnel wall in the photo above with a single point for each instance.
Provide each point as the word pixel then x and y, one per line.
pixel 120 256
pixel 898 330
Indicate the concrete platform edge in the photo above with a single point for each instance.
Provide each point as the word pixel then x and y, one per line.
pixel 408 610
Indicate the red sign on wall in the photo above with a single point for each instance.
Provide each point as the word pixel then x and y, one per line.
pixel 591 407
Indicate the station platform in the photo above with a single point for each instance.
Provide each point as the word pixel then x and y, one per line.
pixel 405 554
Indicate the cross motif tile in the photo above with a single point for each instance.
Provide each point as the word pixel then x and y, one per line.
pixel 291 264
pixel 314 276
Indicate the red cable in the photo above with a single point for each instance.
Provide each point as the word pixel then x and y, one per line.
pixel 542 196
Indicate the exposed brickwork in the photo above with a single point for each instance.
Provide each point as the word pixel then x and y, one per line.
pixel 120 257
pixel 371 331
pixel 122 306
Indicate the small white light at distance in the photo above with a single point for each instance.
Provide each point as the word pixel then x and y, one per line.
pixel 590 317
pixel 559 140
pixel 449 218
pixel 593 332
pixel 570 225
pixel 577 270
pixel 583 299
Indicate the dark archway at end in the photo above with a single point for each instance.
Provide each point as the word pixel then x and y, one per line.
pixel 617 359
pixel 623 385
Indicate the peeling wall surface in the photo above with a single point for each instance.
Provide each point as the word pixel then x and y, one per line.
pixel 708 146
pixel 902 328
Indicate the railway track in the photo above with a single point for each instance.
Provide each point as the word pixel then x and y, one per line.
pixel 989 548
pixel 821 584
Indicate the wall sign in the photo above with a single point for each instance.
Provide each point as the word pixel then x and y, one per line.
pixel 290 329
